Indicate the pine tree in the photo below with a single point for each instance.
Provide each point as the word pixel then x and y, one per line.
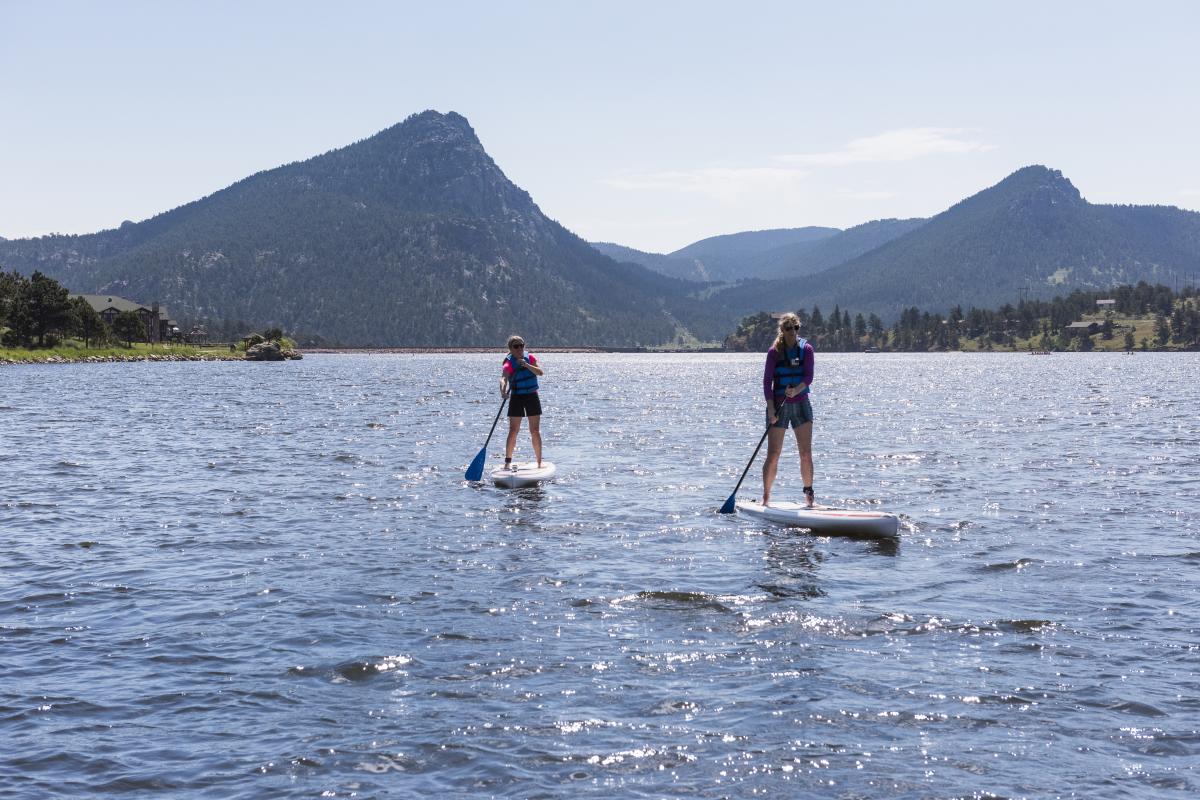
pixel 48 305
pixel 87 324
pixel 1162 331
pixel 128 327
pixel 10 286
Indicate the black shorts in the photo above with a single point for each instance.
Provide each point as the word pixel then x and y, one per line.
pixel 524 405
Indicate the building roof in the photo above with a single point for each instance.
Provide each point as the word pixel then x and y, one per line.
pixel 103 302
pixel 1082 325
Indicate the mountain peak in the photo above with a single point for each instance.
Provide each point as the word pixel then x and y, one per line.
pixel 1044 182
pixel 435 125
pixel 1034 190
pixel 430 162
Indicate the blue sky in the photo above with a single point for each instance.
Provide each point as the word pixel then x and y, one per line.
pixel 651 124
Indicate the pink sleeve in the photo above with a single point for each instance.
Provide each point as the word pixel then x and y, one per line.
pixel 507 368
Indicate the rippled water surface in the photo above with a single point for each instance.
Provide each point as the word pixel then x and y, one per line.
pixel 270 580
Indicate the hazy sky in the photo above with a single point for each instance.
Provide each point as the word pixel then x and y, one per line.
pixel 651 124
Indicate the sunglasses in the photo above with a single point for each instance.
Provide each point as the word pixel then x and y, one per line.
pixel 791 327
pixel 516 346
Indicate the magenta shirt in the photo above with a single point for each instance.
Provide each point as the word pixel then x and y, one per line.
pixel 806 373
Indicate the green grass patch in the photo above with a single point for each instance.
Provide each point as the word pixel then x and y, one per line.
pixel 71 350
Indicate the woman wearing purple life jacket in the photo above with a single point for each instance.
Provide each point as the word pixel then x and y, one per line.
pixel 786 378
pixel 518 376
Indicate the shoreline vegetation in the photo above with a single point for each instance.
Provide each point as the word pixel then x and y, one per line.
pixel 1122 318
pixel 69 353
pixel 252 348
pixel 42 323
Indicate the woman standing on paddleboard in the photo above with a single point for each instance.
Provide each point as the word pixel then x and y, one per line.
pixel 519 375
pixel 786 378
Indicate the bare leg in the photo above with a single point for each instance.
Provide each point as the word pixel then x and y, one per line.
pixel 774 446
pixel 804 442
pixel 535 433
pixel 514 425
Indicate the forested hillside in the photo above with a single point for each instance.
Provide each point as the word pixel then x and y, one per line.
pixel 411 237
pixel 414 237
pixel 1032 234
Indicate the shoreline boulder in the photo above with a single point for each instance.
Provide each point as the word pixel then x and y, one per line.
pixel 270 351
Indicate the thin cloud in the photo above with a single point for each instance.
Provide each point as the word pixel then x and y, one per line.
pixel 1189 192
pixel 904 144
pixel 732 183
pixel 722 183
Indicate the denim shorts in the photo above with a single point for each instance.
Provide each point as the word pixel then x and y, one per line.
pixel 793 415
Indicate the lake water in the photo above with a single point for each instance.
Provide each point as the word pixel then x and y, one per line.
pixel 270 580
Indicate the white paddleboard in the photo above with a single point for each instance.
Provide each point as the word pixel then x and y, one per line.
pixel 825 520
pixel 524 475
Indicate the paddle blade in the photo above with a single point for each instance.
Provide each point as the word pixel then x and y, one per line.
pixel 728 507
pixel 475 471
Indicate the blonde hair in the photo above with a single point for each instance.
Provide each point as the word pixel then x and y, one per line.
pixel 514 339
pixel 786 319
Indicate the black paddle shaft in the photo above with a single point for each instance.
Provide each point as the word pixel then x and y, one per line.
pixel 750 463
pixel 497 419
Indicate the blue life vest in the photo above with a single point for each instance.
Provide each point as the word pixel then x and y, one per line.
pixel 789 367
pixel 522 381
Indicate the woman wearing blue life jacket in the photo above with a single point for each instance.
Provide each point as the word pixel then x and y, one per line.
pixel 518 377
pixel 786 378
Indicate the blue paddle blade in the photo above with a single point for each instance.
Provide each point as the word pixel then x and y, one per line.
pixel 728 507
pixel 475 471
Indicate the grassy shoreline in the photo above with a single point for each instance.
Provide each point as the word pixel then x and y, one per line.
pixel 70 353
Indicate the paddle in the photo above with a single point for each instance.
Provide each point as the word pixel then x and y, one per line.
pixel 475 471
pixel 729 504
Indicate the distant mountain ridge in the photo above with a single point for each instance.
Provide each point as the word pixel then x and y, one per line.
pixel 786 252
pixel 808 258
pixel 1031 233
pixel 728 257
pixel 415 237
pixel 410 237
pixel 683 268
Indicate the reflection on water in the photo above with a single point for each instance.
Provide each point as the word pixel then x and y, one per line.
pixel 253 582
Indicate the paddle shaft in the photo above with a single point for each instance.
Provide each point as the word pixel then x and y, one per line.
pixel 751 461
pixel 503 400
pixel 729 504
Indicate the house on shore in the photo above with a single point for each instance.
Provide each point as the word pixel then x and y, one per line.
pixel 1082 328
pixel 159 326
